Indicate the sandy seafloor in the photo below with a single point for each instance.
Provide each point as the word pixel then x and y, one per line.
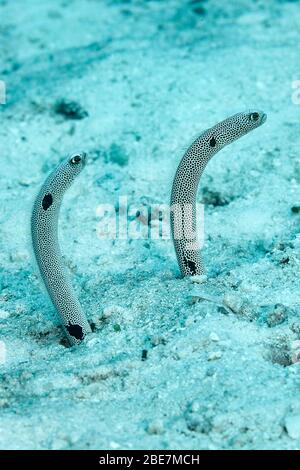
pixel 220 373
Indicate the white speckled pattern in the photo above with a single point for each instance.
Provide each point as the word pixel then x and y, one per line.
pixel 44 229
pixel 186 181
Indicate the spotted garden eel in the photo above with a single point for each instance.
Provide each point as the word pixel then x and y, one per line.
pixel 186 181
pixel 44 230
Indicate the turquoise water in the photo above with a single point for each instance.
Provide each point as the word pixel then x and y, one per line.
pixel 171 363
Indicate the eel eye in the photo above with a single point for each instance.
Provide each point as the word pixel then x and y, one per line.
pixel 254 117
pixel 75 160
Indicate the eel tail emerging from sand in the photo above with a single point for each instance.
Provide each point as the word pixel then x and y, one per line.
pixel 44 230
pixel 186 181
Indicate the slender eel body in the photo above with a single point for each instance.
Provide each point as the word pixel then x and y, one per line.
pixel 44 230
pixel 186 181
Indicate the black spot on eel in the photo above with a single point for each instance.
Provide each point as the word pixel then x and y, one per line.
pixel 186 181
pixel 44 230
